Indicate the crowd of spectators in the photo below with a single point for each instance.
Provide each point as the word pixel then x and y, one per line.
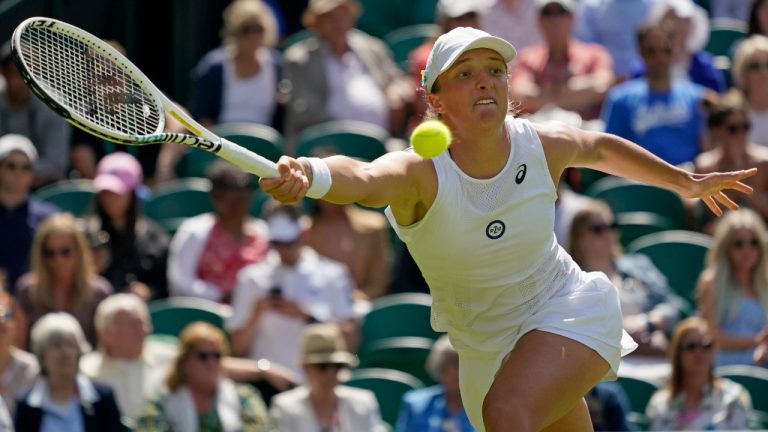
pixel 295 282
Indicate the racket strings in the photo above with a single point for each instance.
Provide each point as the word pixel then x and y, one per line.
pixel 88 82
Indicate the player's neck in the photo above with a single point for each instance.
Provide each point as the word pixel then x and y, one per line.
pixel 483 155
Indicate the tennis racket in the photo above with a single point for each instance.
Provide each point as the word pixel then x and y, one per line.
pixel 94 87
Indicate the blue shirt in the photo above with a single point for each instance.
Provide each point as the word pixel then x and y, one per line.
pixel 59 419
pixel 748 318
pixel 424 410
pixel 668 124
pixel 17 229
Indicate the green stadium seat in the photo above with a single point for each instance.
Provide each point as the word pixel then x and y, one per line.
pixel 624 196
pixel 403 40
pixel 633 225
pixel 586 178
pixel 169 316
pixel 723 34
pixel 407 354
pixel 73 196
pixel 296 37
pixel 258 138
pixel 355 139
pixel 388 385
pixel 171 203
pixel 755 380
pixel 679 255
pixel 639 393
pixel 397 315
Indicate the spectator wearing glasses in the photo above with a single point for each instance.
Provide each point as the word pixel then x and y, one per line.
pixel 694 399
pixel 63 277
pixel 729 125
pixel 750 72
pixel 561 71
pixel 733 289
pixel 18 368
pixel 20 213
pixel 323 404
pixel 648 307
pixel 199 398
pixel 294 286
pixel 208 250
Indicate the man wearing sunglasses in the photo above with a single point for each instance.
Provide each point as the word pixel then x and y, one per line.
pixel 20 214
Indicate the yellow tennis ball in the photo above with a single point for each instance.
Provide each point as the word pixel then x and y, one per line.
pixel 430 138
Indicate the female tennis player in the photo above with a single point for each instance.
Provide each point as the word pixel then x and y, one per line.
pixel 534 333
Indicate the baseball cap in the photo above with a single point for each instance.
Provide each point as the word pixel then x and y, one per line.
pixel 457 8
pixel 450 46
pixel 568 5
pixel 118 172
pixel 283 228
pixel 17 143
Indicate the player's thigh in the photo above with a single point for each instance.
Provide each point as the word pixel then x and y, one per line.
pixel 546 375
pixel 577 419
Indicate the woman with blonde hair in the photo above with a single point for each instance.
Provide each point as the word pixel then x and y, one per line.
pixel 63 277
pixel 694 399
pixel 199 398
pixel 226 79
pixel 750 72
pixel 733 289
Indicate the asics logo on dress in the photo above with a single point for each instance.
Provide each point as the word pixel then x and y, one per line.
pixel 522 170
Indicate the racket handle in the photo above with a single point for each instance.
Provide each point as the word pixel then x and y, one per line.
pixel 247 160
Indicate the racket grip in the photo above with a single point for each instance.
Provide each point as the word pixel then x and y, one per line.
pixel 247 159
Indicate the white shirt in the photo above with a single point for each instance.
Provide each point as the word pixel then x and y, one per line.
pixel 319 286
pixel 759 132
pixel 353 94
pixel 518 26
pixel 249 99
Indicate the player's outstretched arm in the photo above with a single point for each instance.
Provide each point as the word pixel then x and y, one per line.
pixel 391 179
pixel 567 146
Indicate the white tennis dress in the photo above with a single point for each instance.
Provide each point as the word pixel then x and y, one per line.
pixel 487 249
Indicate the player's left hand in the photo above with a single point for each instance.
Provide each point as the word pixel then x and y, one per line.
pixel 710 187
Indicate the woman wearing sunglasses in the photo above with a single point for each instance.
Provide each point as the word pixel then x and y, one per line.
pixel 749 72
pixel 733 289
pixel 199 398
pixel 63 277
pixel 694 399
pixel 649 309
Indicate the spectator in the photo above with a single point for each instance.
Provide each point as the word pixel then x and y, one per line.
pixel 62 399
pixel 323 404
pixel 199 398
pixel 694 399
pixel 561 71
pixel 729 125
pixel 437 408
pixel 6 422
pixel 341 73
pixel 62 277
pixel 730 9
pixel 20 213
pixel 659 113
pixel 18 368
pixel 24 114
pixel 137 247
pixel 276 298
pixel 511 20
pixel 648 307
pixel 757 22
pixel 689 26
pixel 608 407
pixel 356 237
pixel 614 24
pixel 208 250
pixel 733 289
pixel 750 71
pixel 226 79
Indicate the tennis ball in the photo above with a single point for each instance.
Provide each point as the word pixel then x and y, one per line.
pixel 430 138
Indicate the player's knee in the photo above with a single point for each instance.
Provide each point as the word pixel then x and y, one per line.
pixel 506 413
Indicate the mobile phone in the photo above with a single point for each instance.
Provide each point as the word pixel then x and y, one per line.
pixel 276 292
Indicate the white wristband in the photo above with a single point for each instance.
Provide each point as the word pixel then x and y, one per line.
pixel 321 177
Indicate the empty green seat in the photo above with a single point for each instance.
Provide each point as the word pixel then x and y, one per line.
pixel 169 316
pixel 397 315
pixel 403 40
pixel 633 225
pixel 171 203
pixel 388 385
pixel 407 354
pixel 355 139
pixel 73 196
pixel 624 196
pixel 639 393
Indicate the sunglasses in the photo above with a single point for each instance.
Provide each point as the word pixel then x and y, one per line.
pixel 7 314
pixel 204 357
pixel 322 367
pixel 554 12
pixel 735 128
pixel 250 29
pixel 692 346
pixel 652 52
pixel 739 243
pixel 63 252
pixel 757 65
pixel 598 229
pixel 12 166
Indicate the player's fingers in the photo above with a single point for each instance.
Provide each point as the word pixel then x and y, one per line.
pixel 741 187
pixel 710 202
pixel 724 200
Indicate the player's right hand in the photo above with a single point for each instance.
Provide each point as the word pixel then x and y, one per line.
pixel 292 184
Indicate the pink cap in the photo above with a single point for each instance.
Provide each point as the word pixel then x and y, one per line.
pixel 118 172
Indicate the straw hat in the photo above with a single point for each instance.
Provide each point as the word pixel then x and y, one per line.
pixel 319 7
pixel 324 344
